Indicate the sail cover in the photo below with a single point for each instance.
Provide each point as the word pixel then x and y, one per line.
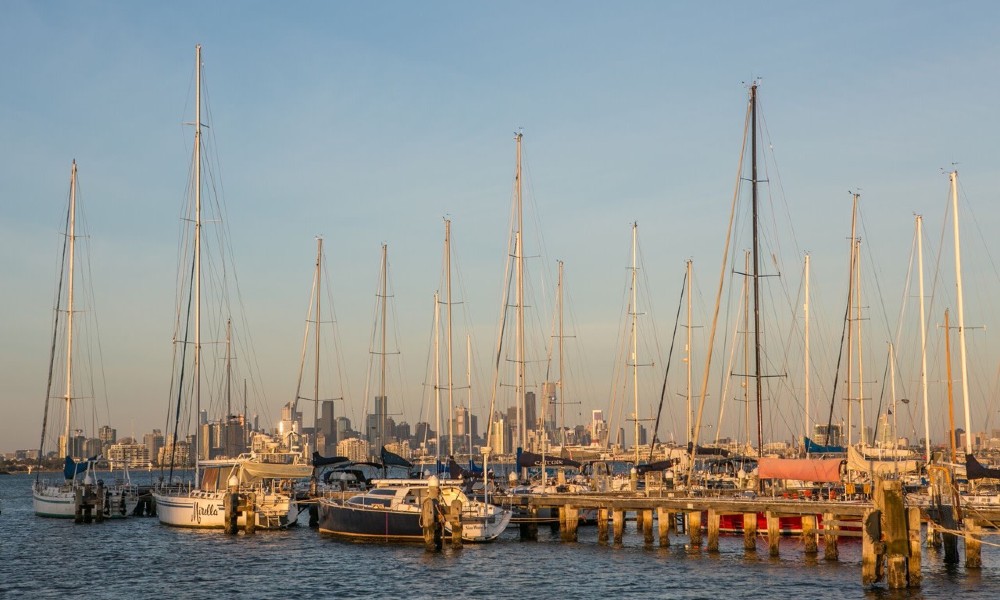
pixel 390 458
pixel 530 459
pixel 72 468
pixel 857 462
pixel 819 470
pixel 814 448
pixel 975 470
pixel 321 461
pixel 252 472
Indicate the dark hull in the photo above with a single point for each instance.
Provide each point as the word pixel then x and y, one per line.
pixel 370 523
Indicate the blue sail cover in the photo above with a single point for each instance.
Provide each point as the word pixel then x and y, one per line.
pixel 390 458
pixel 73 468
pixel 814 448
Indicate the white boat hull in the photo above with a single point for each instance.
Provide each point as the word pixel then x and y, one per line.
pixel 207 510
pixel 483 522
pixel 59 501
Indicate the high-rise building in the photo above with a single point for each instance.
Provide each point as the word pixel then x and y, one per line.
pixel 551 408
pixel 108 435
pixel 153 442
pixel 530 410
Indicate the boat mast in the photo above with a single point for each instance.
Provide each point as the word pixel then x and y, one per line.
pixel 690 432
pixel 380 417
pixel 746 346
pixel 635 343
pixel 923 339
pixel 451 398
pixel 69 312
pixel 756 269
pixel 861 375
pixel 197 258
pixel 850 325
pixel 953 176
pixel 519 261
pixel 805 360
pixel 468 379
pixel 319 294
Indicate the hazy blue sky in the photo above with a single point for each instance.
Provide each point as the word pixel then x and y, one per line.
pixel 370 122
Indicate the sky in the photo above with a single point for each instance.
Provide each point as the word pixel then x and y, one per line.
pixel 369 123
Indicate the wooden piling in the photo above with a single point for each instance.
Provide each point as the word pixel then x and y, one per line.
pixel 455 520
pixel 663 519
pixel 973 543
pixel 618 523
pixel 809 538
pixel 431 524
pixel 830 550
pixel 250 513
pixel 913 526
pixel 773 534
pixel 99 502
pixel 570 522
pixel 602 525
pixel 78 505
pixel 230 504
pixel 948 537
pixel 750 531
pixel 647 526
pixel 871 551
pixel 314 514
pixel 694 528
pixel 713 530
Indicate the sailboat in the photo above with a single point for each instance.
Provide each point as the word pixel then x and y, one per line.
pixel 262 484
pixel 81 494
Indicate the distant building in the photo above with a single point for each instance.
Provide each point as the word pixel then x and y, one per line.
pixel 355 449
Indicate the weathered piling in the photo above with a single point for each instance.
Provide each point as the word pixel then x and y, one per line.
pixel 647 526
pixel 973 544
pixel 618 523
pixel 809 538
pixel 773 533
pixel 78 505
pixel 455 520
pixel 99 502
pixel 896 531
pixel 750 531
pixel 249 509
pixel 602 525
pixel 529 526
pixel 663 519
pixel 913 526
pixel 830 527
pixel 694 529
pixel 871 547
pixel 431 523
pixel 713 530
pixel 638 520
pixel 571 519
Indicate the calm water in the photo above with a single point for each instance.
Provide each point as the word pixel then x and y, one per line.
pixel 49 558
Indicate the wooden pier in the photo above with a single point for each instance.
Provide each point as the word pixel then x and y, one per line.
pixel 889 527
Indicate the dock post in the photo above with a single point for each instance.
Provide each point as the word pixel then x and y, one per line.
pixel 618 523
pixel 750 532
pixel 455 519
pixel 913 525
pixel 639 515
pixel 557 524
pixel 950 540
pixel 933 535
pixel 314 513
pixel 431 524
pixel 602 525
pixel 897 535
pixel 694 529
pixel 647 526
pixel 830 550
pixel 663 519
pixel 973 544
pixel 99 502
pixel 713 530
pixel 572 522
pixel 773 534
pixel 871 547
pixel 230 506
pixel 809 534
pixel 250 513
pixel 78 505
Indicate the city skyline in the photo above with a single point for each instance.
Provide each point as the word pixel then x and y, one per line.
pixel 371 124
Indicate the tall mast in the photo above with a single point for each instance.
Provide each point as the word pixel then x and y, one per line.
pixel 197 256
pixel 850 324
pixel 953 176
pixel 319 294
pixel 519 260
pixel 69 312
pixel 635 343
pixel 923 339
pixel 690 432
pixel 451 398
pixel 746 346
pixel 562 386
pixel 805 360
pixel 380 417
pixel 756 269
pixel 468 379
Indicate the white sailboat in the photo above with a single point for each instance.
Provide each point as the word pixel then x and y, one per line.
pixel 81 493
pixel 262 483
